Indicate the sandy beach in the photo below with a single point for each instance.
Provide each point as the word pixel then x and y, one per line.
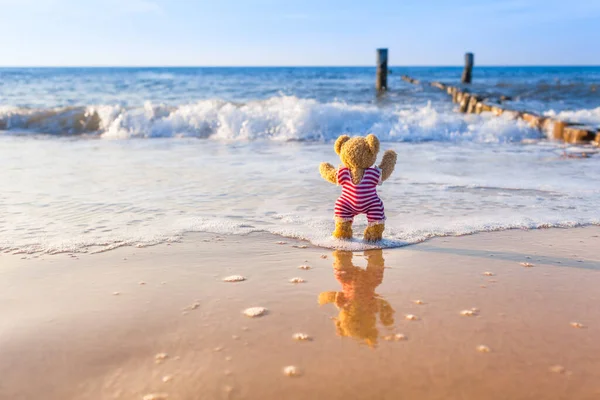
pixel 280 200
pixel 503 315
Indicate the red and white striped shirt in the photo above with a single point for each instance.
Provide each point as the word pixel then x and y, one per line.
pixel 361 198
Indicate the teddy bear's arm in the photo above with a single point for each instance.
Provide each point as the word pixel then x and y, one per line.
pixel 328 172
pixel 387 164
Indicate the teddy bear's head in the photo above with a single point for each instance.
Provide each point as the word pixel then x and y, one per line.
pixel 357 152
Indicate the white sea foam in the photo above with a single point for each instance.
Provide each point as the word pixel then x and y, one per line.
pixel 281 118
pixel 586 116
pixel 290 118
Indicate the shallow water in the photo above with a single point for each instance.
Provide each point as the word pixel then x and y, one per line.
pixel 89 195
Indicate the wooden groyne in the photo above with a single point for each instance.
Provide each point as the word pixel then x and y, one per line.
pixel 468 102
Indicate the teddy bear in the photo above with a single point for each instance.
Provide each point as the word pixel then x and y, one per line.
pixel 358 303
pixel 359 180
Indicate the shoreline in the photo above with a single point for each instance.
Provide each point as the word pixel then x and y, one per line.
pixel 389 244
pixel 90 326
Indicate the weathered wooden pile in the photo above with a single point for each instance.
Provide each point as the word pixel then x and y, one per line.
pixel 468 102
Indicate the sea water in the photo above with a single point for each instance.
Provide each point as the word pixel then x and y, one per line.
pixel 93 159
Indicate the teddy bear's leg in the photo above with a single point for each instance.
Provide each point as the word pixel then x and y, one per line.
pixel 343 230
pixel 374 233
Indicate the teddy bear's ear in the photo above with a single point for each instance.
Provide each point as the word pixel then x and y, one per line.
pixel 373 143
pixel 339 142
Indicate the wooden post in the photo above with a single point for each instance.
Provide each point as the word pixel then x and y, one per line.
pixel 472 106
pixel 579 134
pixel 464 102
pixel 534 120
pixel 467 72
pixel 455 94
pixel 382 70
pixel 486 107
pixel 558 130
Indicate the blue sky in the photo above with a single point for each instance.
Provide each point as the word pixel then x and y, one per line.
pixel 297 32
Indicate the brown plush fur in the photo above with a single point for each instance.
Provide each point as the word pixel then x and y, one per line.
pixel 374 233
pixel 343 230
pixel 357 154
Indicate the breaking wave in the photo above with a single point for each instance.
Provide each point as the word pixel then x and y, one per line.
pixel 588 117
pixel 282 118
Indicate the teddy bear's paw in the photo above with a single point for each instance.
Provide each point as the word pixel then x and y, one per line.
pixel 374 233
pixel 343 230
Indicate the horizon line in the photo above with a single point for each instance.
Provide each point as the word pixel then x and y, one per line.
pixel 304 66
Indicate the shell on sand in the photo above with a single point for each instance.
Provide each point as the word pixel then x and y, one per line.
pixel 527 265
pixel 419 302
pixel 482 348
pixel 253 312
pixel 156 396
pixel 411 317
pixel 234 278
pixel 291 370
pixel 301 337
pixel 304 267
pixel 468 313
pixel 577 325
pixel 487 273
pixel 297 280
pixel 167 378
pixel 192 306
pixel 398 337
pixel 160 357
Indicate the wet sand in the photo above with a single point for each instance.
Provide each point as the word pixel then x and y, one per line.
pixel 96 326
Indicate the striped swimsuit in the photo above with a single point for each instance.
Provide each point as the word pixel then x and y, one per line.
pixel 361 198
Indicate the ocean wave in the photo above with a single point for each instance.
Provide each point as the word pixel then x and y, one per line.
pixel 281 118
pixel 586 117
pixel 57 121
